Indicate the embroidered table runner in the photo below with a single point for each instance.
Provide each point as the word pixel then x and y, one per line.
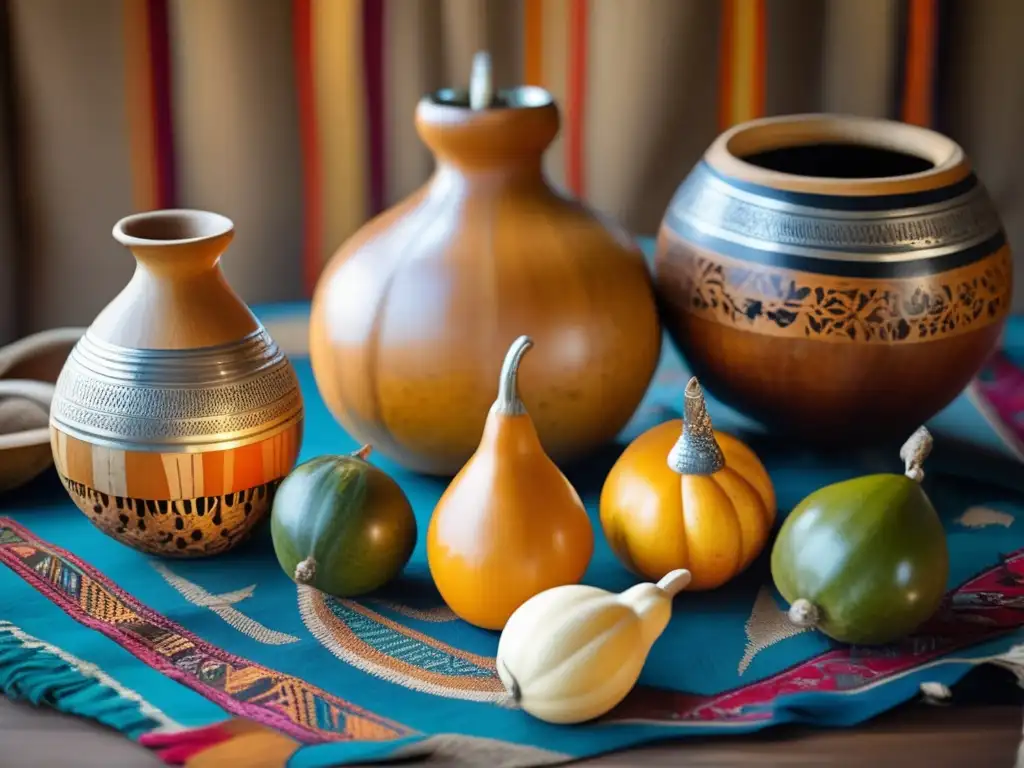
pixel 204 660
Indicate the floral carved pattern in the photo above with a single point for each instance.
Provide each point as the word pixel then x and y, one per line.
pixel 782 302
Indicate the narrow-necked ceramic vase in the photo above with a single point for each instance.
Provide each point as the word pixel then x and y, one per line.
pixel 176 415
pixel 838 277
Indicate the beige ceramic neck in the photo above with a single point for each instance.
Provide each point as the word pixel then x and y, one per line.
pixel 177 298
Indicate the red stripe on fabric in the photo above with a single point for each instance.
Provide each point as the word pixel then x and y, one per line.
pixel 576 100
pixel 162 97
pixel 919 71
pixel 202 734
pixel 373 72
pixel 182 752
pixel 302 18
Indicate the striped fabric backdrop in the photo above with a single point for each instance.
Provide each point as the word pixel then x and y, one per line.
pixel 924 34
pixel 148 103
pixel 294 117
pixel 339 49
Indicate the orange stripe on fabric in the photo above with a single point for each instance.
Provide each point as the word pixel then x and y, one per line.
pixel 138 100
pixel 302 20
pixel 742 62
pixel 533 34
pixel 576 100
pixel 919 68
pixel 341 114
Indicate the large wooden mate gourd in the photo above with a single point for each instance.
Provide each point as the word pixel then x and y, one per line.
pixel 176 415
pixel 412 316
pixel 838 277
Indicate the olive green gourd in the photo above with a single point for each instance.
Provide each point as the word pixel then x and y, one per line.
pixel 865 561
pixel 342 525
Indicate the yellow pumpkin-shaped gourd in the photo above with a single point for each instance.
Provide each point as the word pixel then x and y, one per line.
pixel 685 496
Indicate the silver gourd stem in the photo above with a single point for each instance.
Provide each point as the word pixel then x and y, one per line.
pixel 696 452
pixel 509 402
pixel 914 452
pixel 481 82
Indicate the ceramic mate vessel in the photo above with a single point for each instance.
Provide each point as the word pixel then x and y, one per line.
pixel 412 316
pixel 176 415
pixel 838 277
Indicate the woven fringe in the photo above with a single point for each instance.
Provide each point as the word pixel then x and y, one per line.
pixel 45 675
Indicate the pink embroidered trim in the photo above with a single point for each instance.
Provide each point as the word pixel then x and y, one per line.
pixel 279 706
pixel 982 608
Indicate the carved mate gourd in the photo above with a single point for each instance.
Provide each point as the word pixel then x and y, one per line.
pixel 683 495
pixel 572 653
pixel 509 525
pixel 411 315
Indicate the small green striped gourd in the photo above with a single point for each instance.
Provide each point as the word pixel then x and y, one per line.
pixel 341 525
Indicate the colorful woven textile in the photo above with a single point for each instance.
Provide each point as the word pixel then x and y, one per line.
pixel 214 657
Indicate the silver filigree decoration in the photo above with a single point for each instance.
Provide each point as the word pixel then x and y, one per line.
pixel 148 399
pixel 714 207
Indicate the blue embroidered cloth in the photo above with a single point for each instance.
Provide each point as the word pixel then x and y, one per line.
pixel 150 645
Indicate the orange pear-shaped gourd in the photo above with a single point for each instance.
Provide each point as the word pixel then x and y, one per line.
pixel 510 525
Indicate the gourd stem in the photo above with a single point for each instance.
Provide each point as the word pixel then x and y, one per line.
pixel 674 582
pixel 364 452
pixel 516 691
pixel 914 452
pixel 696 452
pixel 804 613
pixel 481 84
pixel 508 402
pixel 305 571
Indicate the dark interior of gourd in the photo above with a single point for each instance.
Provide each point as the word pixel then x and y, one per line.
pixel 839 161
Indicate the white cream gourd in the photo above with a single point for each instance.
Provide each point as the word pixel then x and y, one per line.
pixel 571 653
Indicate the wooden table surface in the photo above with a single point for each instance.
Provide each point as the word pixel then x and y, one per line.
pixel 983 736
